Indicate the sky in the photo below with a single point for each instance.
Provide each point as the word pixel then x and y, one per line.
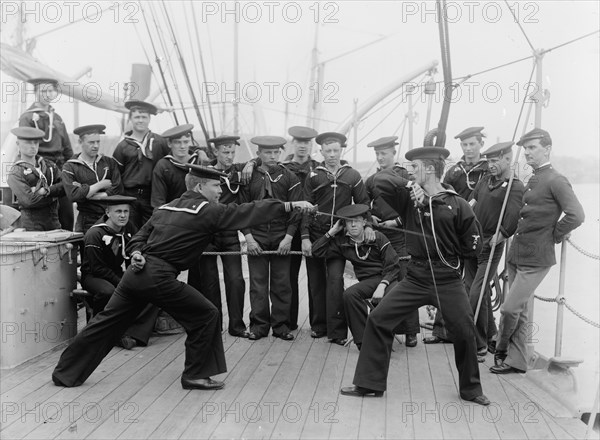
pixel 275 44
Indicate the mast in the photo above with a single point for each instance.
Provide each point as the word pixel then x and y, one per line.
pixel 539 100
pixel 313 97
pixel 236 122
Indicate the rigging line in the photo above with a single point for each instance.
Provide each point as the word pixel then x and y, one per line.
pixel 520 27
pixel 150 64
pixel 157 59
pixel 195 63
pixel 403 125
pixel 210 112
pixel 169 66
pixel 522 106
pixel 471 75
pixel 569 42
pixel 185 74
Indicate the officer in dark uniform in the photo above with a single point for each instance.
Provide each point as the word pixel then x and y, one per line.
pixel 101 265
pixel 449 232
pixel 270 274
pixel 385 216
pixel 548 195
pixel 330 185
pixel 375 264
pixel 168 177
pixel 170 242
pixel 55 144
pixel 463 176
pixel 486 200
pixel 137 154
pixel 90 176
pixel 301 164
pixel 35 182
pixel 204 276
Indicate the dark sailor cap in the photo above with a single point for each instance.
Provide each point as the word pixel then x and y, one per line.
pixel 469 132
pixel 302 133
pixel 498 149
pixel 205 172
pixel 38 81
pixel 351 211
pixel 178 131
pixel 225 140
pixel 384 143
pixel 434 153
pixel 331 136
pixel 268 141
pixel 28 133
pixel 118 200
pixel 89 129
pixel 536 133
pixel 146 107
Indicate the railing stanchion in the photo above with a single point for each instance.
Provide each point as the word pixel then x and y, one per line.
pixel 560 300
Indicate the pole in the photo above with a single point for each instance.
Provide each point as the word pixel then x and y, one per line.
pixel 411 117
pixel 560 300
pixel 236 121
pixel 539 100
pixel 314 96
pixel 355 134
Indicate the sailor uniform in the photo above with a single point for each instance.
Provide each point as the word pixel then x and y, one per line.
pixel 171 241
pixel 38 212
pixel 397 238
pixel 548 195
pixel 204 276
pixel 372 262
pixel 168 179
pixel 136 162
pixel 269 274
pixel 330 191
pixel 464 176
pixel 77 177
pixel 54 146
pixel 452 233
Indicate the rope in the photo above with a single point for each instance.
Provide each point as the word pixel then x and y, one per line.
pixel 407 257
pixel 563 301
pixel 520 27
pixel 583 251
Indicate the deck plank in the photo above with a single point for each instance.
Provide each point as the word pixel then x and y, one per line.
pixel 398 397
pixel 348 420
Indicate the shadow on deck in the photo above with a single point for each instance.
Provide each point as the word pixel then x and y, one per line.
pixel 274 389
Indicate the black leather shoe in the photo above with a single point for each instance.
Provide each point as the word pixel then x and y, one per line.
pixel 201 384
pixel 504 369
pixel 241 334
pixel 284 336
pixel 127 342
pixel 434 340
pixel 339 341
pixel 316 334
pixel 411 340
pixel 360 392
pixel 253 336
pixel 480 400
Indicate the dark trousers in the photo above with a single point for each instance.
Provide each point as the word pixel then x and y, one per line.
pixel 269 279
pixel 412 292
pixel 66 216
pixel 141 329
pixel 85 220
pixel 157 283
pixel 41 219
pixel 141 210
pixel 326 286
pixel 204 277
pixel 295 263
pixel 474 279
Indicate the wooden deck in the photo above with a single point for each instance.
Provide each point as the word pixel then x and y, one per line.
pixel 274 389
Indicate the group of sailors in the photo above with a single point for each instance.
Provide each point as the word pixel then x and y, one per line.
pixel 414 236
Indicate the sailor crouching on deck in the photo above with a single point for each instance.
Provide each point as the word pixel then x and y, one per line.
pixel 548 195
pixel 171 241
pixel 444 231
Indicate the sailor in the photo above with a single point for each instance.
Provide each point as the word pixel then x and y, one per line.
pixel 463 176
pixel 331 185
pixel 102 265
pixel 390 221
pixel 168 177
pixel 205 276
pixel 55 145
pixel 444 231
pixel 170 242
pixel 137 154
pixel 301 164
pixel 375 264
pixel 90 177
pixel 270 274
pixel 35 182
pixel 548 195
pixel 487 200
